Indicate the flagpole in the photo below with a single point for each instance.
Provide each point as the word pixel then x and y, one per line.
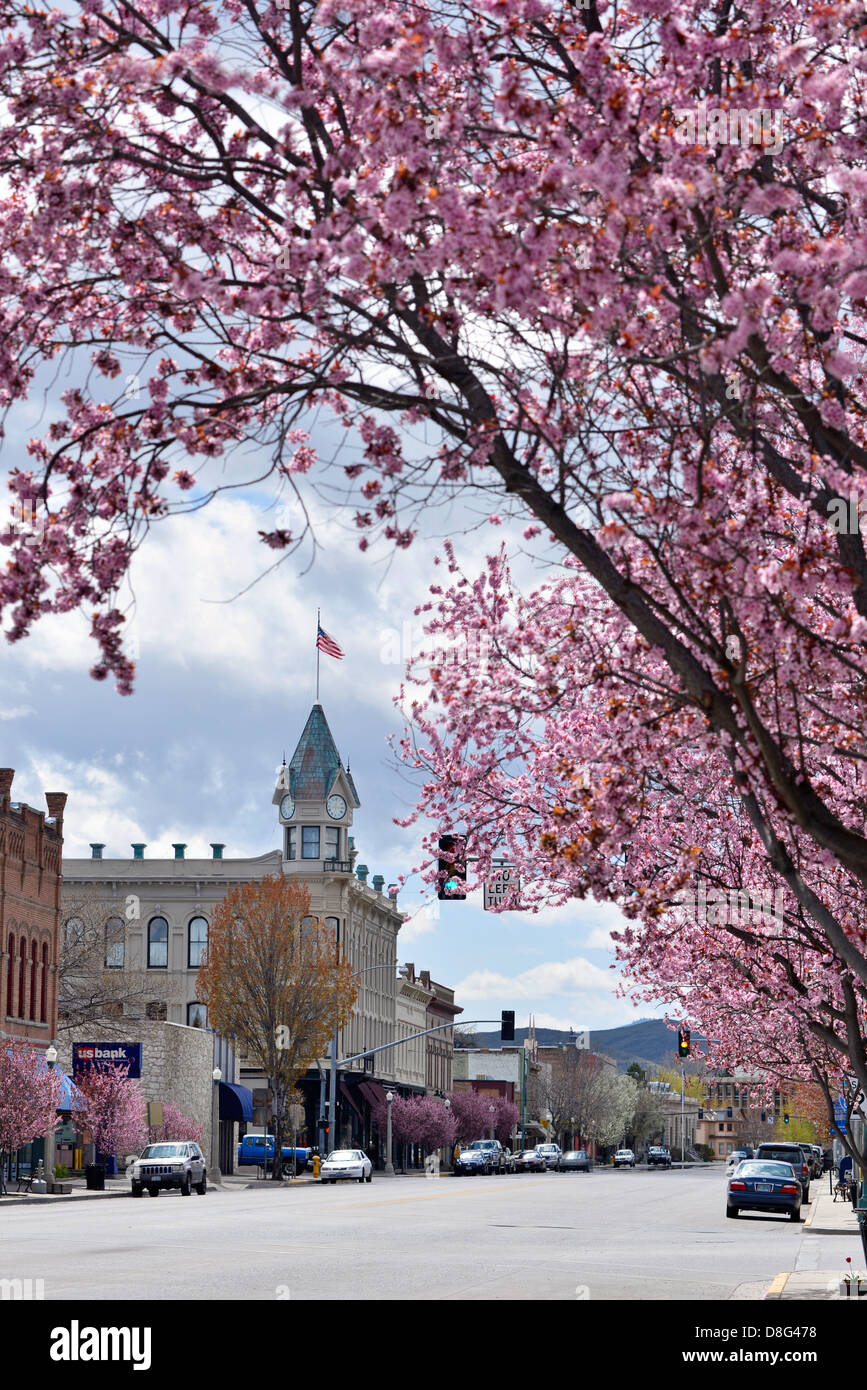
pixel 317 656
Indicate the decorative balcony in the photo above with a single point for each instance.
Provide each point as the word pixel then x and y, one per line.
pixel 336 866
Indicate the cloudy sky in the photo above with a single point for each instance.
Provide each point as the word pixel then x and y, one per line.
pixel 226 680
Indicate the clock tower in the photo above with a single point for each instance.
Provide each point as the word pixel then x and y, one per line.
pixel 316 797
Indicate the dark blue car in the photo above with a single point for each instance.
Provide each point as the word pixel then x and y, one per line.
pixel 760 1185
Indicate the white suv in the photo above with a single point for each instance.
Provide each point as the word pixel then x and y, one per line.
pixel 550 1153
pixel 624 1158
pixel 173 1164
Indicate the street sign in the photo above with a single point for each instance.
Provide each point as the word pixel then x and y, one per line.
pixel 503 887
pixel 582 1039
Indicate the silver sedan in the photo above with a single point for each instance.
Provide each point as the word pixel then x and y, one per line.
pixel 343 1164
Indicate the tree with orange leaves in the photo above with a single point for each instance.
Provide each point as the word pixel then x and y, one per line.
pixel 272 981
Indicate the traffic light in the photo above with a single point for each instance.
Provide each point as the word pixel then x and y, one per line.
pixel 452 866
pixel 785 1119
pixel 683 1036
pixel 507 1025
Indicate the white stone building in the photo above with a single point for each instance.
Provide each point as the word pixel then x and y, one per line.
pixel 168 905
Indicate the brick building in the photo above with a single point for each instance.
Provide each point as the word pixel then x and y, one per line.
pixel 31 846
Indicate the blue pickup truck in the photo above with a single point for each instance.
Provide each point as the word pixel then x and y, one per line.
pixel 252 1150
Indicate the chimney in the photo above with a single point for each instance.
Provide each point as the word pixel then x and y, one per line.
pixel 424 976
pixel 409 969
pixel 96 850
pixel 217 850
pixel 392 892
pixel 55 802
pixel 378 881
pixel 361 872
pixel 138 851
pixel 179 851
pixel 6 776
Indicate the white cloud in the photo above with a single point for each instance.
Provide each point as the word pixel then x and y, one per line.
pixel 423 922
pixel 19 712
pixel 553 977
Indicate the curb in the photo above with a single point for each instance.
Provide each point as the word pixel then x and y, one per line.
pixel 777 1284
pixel 34 1198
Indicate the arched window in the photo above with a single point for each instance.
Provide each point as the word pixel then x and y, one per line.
pixel 22 975
pixel 114 943
pixel 10 978
pixel 43 1014
pixel 334 924
pixel 158 943
pixel 197 940
pixel 197 1016
pixel 34 966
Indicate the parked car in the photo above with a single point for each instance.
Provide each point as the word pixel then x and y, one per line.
pixel 509 1160
pixel 496 1151
pixel 756 1185
pixel 472 1160
pixel 777 1151
pixel 818 1165
pixel 254 1150
pixel 736 1157
pixel 624 1158
pixel 180 1165
pixel 658 1157
pixel 575 1161
pixel 550 1153
pixel 530 1161
pixel 343 1165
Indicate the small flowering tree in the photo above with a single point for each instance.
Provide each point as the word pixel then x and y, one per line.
pixel 114 1109
pixel 30 1094
pixel 422 1120
pixel 472 1114
pixel 176 1126
pixel 505 1119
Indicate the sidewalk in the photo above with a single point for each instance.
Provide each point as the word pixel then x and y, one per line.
pixel 826 1218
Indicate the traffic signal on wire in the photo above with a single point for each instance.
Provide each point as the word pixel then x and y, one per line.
pixel 452 866
pixel 507 1025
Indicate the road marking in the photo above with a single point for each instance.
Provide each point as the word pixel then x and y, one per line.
pixel 777 1284
pixel 808 1221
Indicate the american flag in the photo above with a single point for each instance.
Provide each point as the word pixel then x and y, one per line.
pixel 327 644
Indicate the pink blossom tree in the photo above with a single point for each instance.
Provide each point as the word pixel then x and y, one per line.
pixel 505 1119
pixel 176 1126
pixel 606 264
pixel 472 1114
pixel 30 1096
pixel 114 1109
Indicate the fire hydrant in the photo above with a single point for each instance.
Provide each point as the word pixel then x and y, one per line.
pixel 316 1162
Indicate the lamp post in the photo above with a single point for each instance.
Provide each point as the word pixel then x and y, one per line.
pixel 493 1111
pixel 448 1105
pixel 216 1078
pixel 389 1166
pixel 50 1059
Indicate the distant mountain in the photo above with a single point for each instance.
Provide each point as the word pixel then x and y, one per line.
pixel 649 1042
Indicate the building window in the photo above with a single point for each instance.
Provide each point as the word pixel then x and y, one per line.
pixel 43 1016
pixel 22 976
pixel 292 842
pixel 156 1010
pixel 310 842
pixel 10 978
pixel 197 941
pixel 332 842
pixel 114 946
pixel 197 1016
pixel 34 956
pixel 158 943
pixel 333 923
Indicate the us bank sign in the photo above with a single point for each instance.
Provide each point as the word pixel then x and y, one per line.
pixel 87 1055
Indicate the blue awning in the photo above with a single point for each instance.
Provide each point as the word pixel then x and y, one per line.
pixel 236 1102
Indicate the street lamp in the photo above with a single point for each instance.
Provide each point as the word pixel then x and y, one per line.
pixel 389 1166
pixel 216 1077
pixel 493 1110
pixel 50 1059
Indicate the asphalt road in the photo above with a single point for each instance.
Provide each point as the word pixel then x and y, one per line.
pixel 630 1233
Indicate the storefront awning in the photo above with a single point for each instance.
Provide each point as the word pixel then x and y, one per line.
pixel 345 1091
pixel 236 1102
pixel 373 1093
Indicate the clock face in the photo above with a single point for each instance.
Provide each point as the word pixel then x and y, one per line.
pixel 336 807
pixel 287 808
